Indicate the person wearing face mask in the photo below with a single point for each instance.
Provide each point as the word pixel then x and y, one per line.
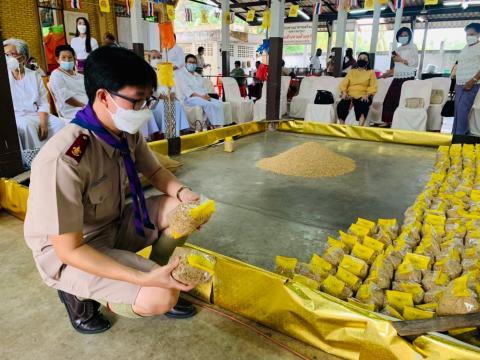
pixel 83 43
pixel 405 59
pixel 159 114
pixel 315 62
pixel 34 123
pixel 33 65
pixel 348 62
pixel 467 77
pixel 82 233
pixel 358 87
pixel 192 93
pixel 66 84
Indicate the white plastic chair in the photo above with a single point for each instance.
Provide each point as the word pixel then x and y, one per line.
pixel 434 112
pixel 242 109
pixel 305 96
pixel 375 112
pixel 474 117
pixel 413 119
pixel 260 107
pixel 208 85
pixel 324 113
pixel 55 103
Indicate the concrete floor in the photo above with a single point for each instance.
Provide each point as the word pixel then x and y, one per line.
pixel 34 324
pixel 261 214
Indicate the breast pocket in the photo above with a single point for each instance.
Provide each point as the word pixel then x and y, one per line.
pixel 101 201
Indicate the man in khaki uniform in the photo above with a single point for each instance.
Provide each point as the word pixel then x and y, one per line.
pixel 82 234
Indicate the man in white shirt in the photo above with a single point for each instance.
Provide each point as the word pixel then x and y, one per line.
pixel 315 63
pixel 191 91
pixel 175 55
pixel 66 85
pixel 468 77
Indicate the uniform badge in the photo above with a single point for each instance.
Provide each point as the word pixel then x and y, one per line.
pixel 77 149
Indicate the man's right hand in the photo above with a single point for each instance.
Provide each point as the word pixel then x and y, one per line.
pixel 43 130
pixel 206 97
pixel 161 276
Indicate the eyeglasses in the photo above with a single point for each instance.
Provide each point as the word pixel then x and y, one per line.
pixel 141 104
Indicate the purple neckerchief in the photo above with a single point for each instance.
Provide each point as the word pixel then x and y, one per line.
pixel 87 119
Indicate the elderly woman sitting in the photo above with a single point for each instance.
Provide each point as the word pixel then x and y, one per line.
pixel 34 123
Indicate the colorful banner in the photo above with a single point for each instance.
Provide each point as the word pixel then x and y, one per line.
pixel 293 12
pixel 150 9
pixel 399 4
pixel 318 8
pixel 75 4
pixel 250 15
pixel 171 12
pixel 104 6
pixel 266 19
pixel 204 17
pixel 188 15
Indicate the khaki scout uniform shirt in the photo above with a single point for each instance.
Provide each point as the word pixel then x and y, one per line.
pixel 77 184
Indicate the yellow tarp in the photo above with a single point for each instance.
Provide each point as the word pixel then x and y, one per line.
pixel 367 133
pixel 13 197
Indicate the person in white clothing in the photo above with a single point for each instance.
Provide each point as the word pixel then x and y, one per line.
pixel 83 43
pixel 467 78
pixel 315 63
pixel 405 60
pixel 66 84
pixel 192 92
pixel 34 123
pixel 175 55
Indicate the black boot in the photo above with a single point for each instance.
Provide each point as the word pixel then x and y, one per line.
pixel 183 310
pixel 84 315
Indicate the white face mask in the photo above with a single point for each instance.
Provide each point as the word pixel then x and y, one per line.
pixel 130 121
pixel 12 63
pixel 472 39
pixel 82 29
pixel 403 40
pixel 155 62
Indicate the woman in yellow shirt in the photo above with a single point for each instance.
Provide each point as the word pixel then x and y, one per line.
pixel 358 87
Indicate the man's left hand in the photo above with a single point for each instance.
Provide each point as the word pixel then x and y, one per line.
pixel 187 195
pixel 365 98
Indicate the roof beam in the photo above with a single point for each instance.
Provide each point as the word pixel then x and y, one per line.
pixel 246 5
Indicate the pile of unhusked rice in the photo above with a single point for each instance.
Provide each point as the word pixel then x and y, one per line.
pixel 308 160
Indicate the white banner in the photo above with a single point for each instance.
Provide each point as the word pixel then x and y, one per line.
pixel 297 34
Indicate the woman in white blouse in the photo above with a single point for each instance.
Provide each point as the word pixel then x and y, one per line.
pixel 34 123
pixel 405 60
pixel 83 43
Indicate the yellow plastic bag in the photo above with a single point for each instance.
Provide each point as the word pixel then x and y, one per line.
pixel 410 313
pixel 336 287
pixel 458 298
pixel 356 266
pixel 363 252
pixel 285 265
pixel 419 262
pixel 370 294
pixel 407 272
pixel 312 284
pixel 333 255
pixel 398 300
pixel 188 217
pixel 322 264
pixel 348 240
pixel 352 281
pixel 410 287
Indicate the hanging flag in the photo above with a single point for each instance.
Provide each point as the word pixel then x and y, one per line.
pixel 188 15
pixel 171 12
pixel 229 17
pixel 204 17
pixel 293 12
pixel 150 9
pixel 104 6
pixel 368 4
pixel 266 19
pixel 317 8
pixel 250 15
pixel 399 4
pixel 75 4
pixel 383 2
pixel 431 2
pixel 353 3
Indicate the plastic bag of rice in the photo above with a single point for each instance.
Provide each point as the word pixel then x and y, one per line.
pixel 407 272
pixel 188 217
pixel 458 298
pixel 336 287
pixel 194 268
pixel 285 266
pixel 370 294
pixel 410 287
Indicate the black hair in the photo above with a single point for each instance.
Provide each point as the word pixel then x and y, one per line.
pixel 201 48
pixel 349 53
pixel 61 48
pixel 238 63
pixel 358 58
pixel 88 42
pixel 113 68
pixel 404 29
pixel 473 26
pixel 109 36
pixel 283 63
pixel 190 56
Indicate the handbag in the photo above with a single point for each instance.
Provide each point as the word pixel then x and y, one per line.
pixel 448 109
pixel 324 97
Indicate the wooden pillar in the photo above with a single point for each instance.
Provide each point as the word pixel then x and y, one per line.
pixel 10 154
pixel 274 82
